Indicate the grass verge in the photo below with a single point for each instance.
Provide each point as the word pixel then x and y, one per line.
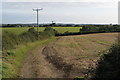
pixel 13 62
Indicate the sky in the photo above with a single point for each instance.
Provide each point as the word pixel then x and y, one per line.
pixel 60 11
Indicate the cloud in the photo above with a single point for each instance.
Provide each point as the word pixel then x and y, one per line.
pixel 60 0
pixel 76 12
pixel 28 5
pixel 84 3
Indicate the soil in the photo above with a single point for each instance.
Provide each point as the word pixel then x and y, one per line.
pixel 68 56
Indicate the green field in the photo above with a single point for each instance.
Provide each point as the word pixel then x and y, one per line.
pixel 69 29
pixel 19 30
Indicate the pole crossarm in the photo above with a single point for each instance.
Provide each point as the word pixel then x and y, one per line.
pixel 37 9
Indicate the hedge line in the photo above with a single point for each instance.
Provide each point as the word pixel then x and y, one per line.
pixel 11 40
pixel 92 29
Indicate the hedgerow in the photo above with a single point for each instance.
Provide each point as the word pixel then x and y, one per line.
pixel 11 40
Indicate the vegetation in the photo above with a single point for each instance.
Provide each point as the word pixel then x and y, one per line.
pixel 67 29
pixel 16 46
pixel 87 29
pixel 63 31
pixel 108 67
pixel 13 59
pixel 94 29
pixel 11 40
pixel 20 30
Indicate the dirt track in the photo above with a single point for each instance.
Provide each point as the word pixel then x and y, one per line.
pixel 36 66
pixel 68 56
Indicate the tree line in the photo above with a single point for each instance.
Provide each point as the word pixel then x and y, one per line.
pixel 55 25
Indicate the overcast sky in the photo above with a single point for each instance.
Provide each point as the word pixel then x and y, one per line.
pixel 68 11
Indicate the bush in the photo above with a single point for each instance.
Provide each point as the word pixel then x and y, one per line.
pixel 108 67
pixel 49 32
pixel 10 40
pixel 96 29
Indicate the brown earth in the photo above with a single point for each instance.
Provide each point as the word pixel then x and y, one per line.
pixel 68 56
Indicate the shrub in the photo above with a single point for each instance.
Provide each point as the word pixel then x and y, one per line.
pixel 108 67
pixel 96 29
pixel 10 40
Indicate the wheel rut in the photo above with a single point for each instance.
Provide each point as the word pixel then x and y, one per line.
pixel 44 62
pixel 52 57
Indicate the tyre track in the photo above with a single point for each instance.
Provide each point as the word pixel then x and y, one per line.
pixel 44 62
pixel 36 66
pixel 53 58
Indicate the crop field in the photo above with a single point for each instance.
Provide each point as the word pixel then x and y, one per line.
pixel 19 30
pixel 69 29
pixel 63 56
pixel 67 56
pixel 80 51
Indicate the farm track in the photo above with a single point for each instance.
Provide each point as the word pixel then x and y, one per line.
pixel 38 64
pixel 44 62
pixel 54 61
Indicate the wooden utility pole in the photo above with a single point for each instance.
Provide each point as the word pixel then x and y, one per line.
pixel 37 10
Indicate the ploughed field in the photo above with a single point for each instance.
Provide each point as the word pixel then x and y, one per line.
pixel 67 56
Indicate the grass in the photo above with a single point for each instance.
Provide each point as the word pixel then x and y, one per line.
pixel 69 29
pixel 19 30
pixel 13 62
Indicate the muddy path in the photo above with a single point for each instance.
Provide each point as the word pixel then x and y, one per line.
pixel 52 56
pixel 44 62
pixel 36 66
pixel 66 57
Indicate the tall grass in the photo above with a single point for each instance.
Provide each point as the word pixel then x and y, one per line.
pixel 14 58
pixel 11 40
pixel 16 46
